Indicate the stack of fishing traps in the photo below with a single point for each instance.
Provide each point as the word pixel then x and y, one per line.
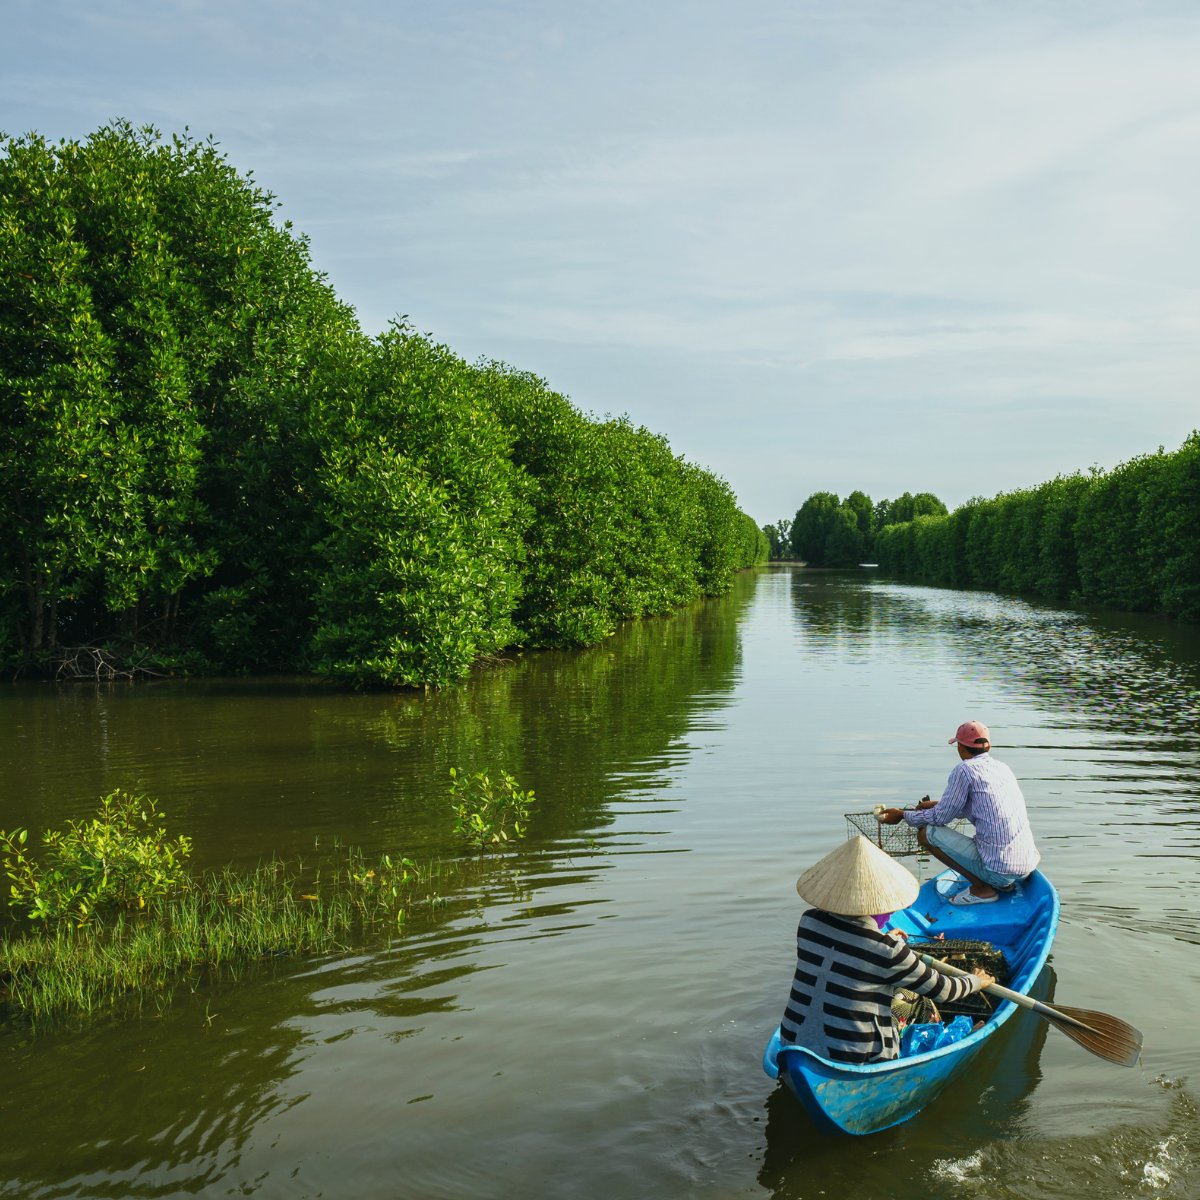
pixel 966 955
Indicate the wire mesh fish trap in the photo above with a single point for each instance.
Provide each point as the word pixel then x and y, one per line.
pixel 966 954
pixel 896 840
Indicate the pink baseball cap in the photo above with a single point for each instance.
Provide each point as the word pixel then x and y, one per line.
pixel 972 734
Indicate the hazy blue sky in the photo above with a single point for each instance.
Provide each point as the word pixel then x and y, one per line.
pixel 898 246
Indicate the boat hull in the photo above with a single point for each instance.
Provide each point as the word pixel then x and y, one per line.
pixel 867 1098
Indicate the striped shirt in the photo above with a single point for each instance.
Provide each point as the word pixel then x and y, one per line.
pixel 847 971
pixel 987 794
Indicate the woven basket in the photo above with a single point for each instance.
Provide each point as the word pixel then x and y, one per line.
pixel 910 1009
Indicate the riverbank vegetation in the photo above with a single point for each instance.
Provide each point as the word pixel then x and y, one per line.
pixel 110 914
pixel 831 532
pixel 224 922
pixel 206 465
pixel 1128 538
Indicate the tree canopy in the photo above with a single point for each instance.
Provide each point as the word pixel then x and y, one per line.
pixel 828 531
pixel 203 456
pixel 1127 538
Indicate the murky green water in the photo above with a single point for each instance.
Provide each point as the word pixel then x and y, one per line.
pixel 585 1018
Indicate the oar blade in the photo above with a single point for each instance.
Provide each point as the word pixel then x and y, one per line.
pixel 1106 1036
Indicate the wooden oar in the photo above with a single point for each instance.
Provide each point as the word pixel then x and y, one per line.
pixel 1105 1036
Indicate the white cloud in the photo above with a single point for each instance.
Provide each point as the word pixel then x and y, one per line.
pixel 807 205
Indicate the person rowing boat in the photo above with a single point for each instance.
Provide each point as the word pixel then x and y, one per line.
pixel 848 968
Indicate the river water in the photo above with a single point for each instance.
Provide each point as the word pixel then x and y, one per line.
pixel 585 1016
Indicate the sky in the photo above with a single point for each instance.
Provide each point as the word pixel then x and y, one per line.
pixel 892 246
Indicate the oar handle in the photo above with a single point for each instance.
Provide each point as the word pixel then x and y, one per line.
pixel 1056 1015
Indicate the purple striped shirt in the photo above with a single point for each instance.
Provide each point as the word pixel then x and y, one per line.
pixel 986 793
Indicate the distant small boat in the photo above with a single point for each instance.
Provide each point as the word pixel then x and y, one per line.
pixel 844 1098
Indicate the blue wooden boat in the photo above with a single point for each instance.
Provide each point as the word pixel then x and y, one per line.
pixel 844 1098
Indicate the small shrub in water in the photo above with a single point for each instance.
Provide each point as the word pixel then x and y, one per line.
pixel 118 859
pixel 118 916
pixel 225 920
pixel 487 813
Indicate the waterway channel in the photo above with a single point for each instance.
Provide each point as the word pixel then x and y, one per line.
pixel 584 1015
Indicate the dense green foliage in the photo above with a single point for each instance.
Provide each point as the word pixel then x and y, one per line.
pixel 1127 538
pixel 202 454
pixel 418 563
pixel 830 532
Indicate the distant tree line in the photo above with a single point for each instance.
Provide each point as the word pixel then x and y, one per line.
pixel 203 458
pixel 1128 538
pixel 829 532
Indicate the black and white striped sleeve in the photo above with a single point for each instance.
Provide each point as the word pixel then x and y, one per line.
pixel 919 977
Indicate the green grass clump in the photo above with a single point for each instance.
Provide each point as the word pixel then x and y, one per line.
pixel 225 919
pixel 109 914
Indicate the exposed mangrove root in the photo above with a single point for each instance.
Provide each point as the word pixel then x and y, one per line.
pixel 97 664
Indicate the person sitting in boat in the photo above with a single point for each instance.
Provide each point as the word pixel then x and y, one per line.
pixel 985 792
pixel 848 968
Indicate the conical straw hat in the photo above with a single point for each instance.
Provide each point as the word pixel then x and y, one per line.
pixel 858 880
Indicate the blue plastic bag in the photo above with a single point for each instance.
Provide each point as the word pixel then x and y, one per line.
pixel 917 1039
